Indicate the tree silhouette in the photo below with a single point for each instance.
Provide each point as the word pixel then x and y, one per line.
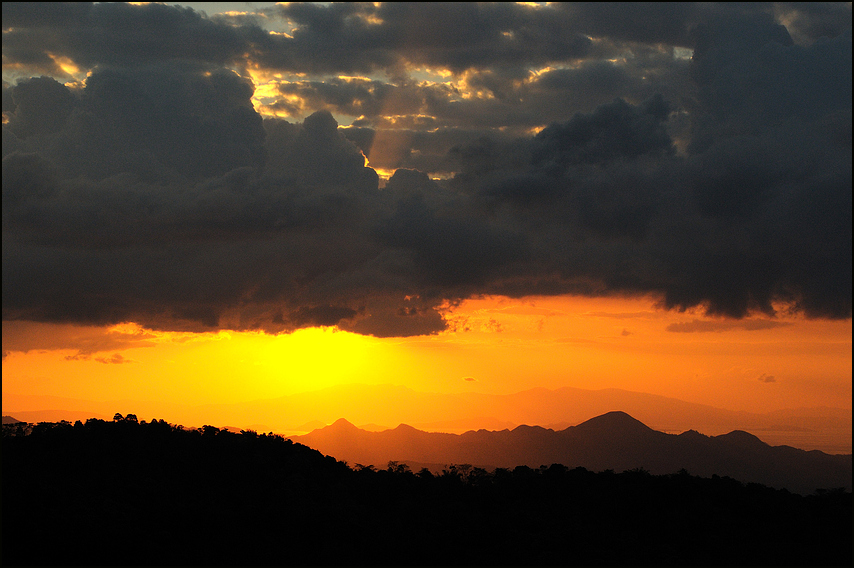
pixel 397 467
pixel 170 486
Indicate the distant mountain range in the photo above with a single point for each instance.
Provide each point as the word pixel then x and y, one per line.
pixel 614 440
pixel 826 429
pixel 53 415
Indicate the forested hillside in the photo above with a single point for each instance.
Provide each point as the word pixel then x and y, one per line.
pixel 128 492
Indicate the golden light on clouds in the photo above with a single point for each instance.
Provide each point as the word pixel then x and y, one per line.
pixel 66 64
pixel 384 174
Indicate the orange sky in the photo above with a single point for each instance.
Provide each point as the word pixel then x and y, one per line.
pixel 496 345
pixel 283 185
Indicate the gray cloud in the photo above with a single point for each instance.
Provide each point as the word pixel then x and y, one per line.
pixel 809 21
pixel 363 37
pixel 115 359
pixel 119 34
pixel 704 326
pixel 24 336
pixel 156 193
pixel 458 35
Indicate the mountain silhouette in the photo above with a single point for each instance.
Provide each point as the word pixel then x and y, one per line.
pixel 742 439
pixel 825 429
pixel 613 441
pixel 341 425
pixel 613 421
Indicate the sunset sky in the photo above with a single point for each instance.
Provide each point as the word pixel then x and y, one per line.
pixel 224 202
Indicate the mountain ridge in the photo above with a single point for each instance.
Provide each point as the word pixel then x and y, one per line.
pixel 813 428
pixel 614 440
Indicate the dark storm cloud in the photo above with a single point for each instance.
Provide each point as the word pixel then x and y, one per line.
pixel 363 37
pixel 809 21
pixel 420 122
pixel 360 38
pixel 547 97
pixel 426 151
pixel 367 98
pixel 156 193
pixel 643 22
pixel 118 34
pixel 335 38
pixel 674 23
pixel 432 230
pixel 550 178
pixel 760 211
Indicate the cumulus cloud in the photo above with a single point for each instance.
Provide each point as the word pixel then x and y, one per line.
pixel 154 191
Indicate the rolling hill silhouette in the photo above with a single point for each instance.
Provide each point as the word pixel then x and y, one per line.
pixel 614 441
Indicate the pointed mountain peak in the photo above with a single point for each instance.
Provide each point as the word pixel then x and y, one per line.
pixel 341 424
pixel 617 421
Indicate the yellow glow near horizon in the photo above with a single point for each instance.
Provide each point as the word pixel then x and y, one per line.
pixel 493 345
pixel 197 368
pixel 248 365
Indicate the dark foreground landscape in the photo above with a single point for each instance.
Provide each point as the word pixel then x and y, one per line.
pixel 125 492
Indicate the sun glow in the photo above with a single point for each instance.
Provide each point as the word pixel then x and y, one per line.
pixel 313 357
pixel 66 64
pixel 249 365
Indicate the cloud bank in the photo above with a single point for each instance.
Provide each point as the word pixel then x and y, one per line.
pixel 571 149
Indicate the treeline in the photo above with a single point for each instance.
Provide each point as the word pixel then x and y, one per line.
pixel 127 492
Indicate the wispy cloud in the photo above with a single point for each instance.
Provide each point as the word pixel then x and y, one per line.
pixel 114 359
pixel 704 326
